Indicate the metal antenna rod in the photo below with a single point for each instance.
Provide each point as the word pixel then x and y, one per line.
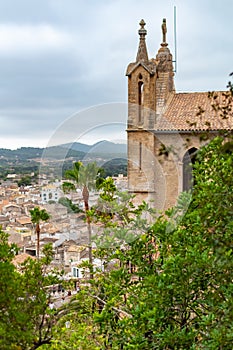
pixel 175 61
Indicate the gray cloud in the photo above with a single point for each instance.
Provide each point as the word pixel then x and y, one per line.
pixel 58 57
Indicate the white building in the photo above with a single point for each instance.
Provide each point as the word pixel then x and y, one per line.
pixel 81 272
pixel 51 192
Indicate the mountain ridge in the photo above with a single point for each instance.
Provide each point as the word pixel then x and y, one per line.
pixel 103 146
pixel 74 149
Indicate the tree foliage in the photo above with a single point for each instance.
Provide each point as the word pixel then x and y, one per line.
pixel 168 279
pixel 26 321
pixel 38 215
pixel 85 177
pixel 71 207
pixel 171 287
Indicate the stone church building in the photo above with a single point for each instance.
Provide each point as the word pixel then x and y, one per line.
pixel 161 126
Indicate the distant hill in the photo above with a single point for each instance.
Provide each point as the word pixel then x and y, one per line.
pixel 60 153
pixel 106 147
pixel 23 153
pixel 76 150
pixel 115 166
pixel 77 146
pixel 31 153
pixel 27 159
pixel 101 147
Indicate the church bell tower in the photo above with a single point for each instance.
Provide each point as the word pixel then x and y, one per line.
pixel 150 84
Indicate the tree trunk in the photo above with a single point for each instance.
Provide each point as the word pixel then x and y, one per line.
pixel 38 240
pixel 86 205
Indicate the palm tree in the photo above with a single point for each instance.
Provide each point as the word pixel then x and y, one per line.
pixel 38 215
pixel 84 177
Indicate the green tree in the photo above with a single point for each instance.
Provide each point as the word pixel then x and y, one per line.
pixel 71 207
pixel 168 282
pixel 170 285
pixel 25 181
pixel 176 293
pixel 38 215
pixel 85 178
pixel 26 321
pixel 76 330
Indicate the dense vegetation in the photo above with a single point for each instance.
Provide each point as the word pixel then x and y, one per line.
pixel 115 166
pixel 71 207
pixel 26 320
pixel 168 279
pixel 171 284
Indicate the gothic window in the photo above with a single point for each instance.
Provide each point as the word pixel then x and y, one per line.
pixel 140 98
pixel 188 161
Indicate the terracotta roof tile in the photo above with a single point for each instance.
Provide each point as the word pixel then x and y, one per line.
pixel 24 220
pixel 183 108
pixel 19 259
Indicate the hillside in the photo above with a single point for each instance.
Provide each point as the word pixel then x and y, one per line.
pixel 76 149
pixel 99 148
pixel 25 160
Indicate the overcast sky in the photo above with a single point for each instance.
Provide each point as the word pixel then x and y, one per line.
pixel 63 62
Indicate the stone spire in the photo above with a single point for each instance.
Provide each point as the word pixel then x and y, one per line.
pixel 142 50
pixel 164 56
pixel 165 75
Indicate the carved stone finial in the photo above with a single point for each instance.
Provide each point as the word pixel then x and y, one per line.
pixel 142 23
pixel 164 32
pixel 142 31
pixel 142 50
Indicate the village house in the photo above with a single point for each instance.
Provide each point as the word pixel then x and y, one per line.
pixel 121 182
pixel 12 211
pixel 4 221
pixel 20 259
pixel 51 192
pixel 67 232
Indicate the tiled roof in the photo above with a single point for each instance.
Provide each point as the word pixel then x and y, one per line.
pixel 76 248
pixel 24 220
pixel 48 239
pixel 181 113
pixel 19 259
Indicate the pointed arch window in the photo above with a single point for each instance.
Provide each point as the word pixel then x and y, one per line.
pixel 140 99
pixel 188 161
